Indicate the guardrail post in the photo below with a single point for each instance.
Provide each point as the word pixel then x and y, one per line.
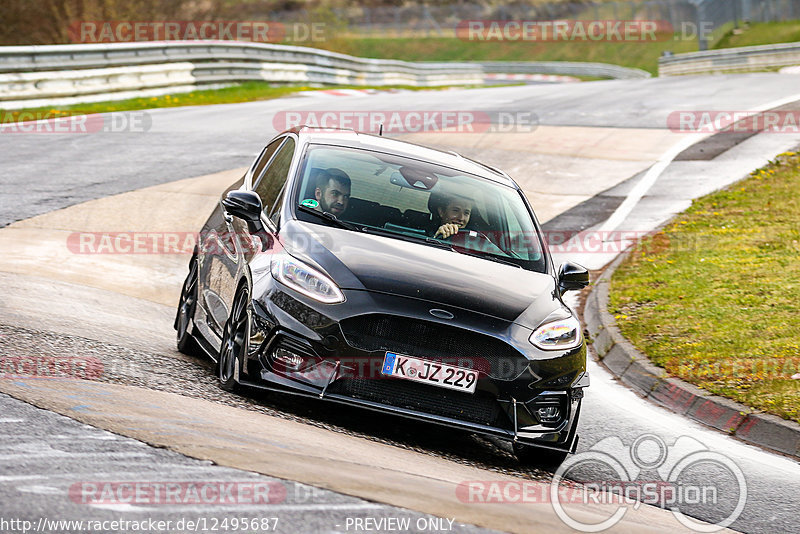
pixel 702 42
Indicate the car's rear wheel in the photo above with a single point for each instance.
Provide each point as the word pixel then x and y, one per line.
pixel 185 315
pixel 235 338
pixel 537 457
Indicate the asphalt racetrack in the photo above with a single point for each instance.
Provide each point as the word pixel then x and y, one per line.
pixel 600 155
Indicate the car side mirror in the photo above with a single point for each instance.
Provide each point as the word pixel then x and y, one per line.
pixel 247 206
pixel 572 276
pixel 243 204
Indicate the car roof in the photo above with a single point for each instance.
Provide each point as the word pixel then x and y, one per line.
pixel 353 139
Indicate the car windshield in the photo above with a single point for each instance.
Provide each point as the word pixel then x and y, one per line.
pixel 408 199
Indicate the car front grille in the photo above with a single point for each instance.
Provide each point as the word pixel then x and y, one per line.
pixel 434 341
pixel 479 407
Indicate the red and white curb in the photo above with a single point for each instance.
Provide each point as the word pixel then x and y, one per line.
pixel 349 92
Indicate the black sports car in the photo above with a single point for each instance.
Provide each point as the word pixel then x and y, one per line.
pixel 378 273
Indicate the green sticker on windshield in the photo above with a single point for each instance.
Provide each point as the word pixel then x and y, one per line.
pixel 310 203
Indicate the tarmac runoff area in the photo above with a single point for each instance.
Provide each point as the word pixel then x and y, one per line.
pixel 129 299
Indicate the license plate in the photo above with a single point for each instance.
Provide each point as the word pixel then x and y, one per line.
pixel 427 372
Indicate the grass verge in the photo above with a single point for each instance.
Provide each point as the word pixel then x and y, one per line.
pixel 761 33
pixel 641 55
pixel 713 298
pixel 246 92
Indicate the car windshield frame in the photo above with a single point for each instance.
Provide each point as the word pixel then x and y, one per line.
pixel 541 264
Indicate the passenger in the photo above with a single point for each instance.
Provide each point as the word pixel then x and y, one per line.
pixel 333 191
pixel 454 213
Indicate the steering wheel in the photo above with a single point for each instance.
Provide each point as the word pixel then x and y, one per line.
pixel 464 234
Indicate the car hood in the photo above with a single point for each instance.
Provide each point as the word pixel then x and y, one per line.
pixel 360 261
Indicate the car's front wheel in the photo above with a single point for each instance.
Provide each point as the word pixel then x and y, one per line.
pixel 538 457
pixel 185 315
pixel 235 338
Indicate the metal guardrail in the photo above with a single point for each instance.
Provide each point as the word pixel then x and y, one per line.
pixel 749 58
pixel 566 68
pixel 34 76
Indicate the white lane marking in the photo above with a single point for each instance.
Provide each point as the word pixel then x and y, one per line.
pixel 63 454
pixel 271 507
pixel 14 478
pixel 644 185
pixel 121 507
pixel 11 420
pixel 110 437
pixel 41 490
pixel 174 472
pixel 647 181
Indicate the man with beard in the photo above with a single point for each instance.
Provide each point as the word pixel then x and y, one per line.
pixel 333 191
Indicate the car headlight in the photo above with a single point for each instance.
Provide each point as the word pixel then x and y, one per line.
pixel 558 334
pixel 305 279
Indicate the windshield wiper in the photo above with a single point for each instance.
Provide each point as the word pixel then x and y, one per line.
pixel 330 217
pixel 405 237
pixel 486 256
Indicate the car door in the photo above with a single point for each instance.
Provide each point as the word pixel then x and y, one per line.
pixel 220 265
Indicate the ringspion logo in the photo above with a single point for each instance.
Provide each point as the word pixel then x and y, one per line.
pixel 680 477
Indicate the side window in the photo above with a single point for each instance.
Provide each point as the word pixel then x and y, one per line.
pixel 264 158
pixel 523 240
pixel 271 182
pixel 275 212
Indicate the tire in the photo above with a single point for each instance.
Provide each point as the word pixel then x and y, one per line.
pixel 537 457
pixel 235 339
pixel 184 318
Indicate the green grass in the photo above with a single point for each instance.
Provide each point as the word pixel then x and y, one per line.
pixel 246 92
pixel 642 55
pixel 240 93
pixel 761 34
pixel 714 298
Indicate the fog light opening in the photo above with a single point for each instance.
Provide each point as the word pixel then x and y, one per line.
pixel 548 414
pixel 287 358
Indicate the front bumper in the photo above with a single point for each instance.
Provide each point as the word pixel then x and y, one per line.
pixel 301 347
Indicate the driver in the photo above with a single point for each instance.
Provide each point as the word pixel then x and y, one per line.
pixel 454 214
pixel 333 191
